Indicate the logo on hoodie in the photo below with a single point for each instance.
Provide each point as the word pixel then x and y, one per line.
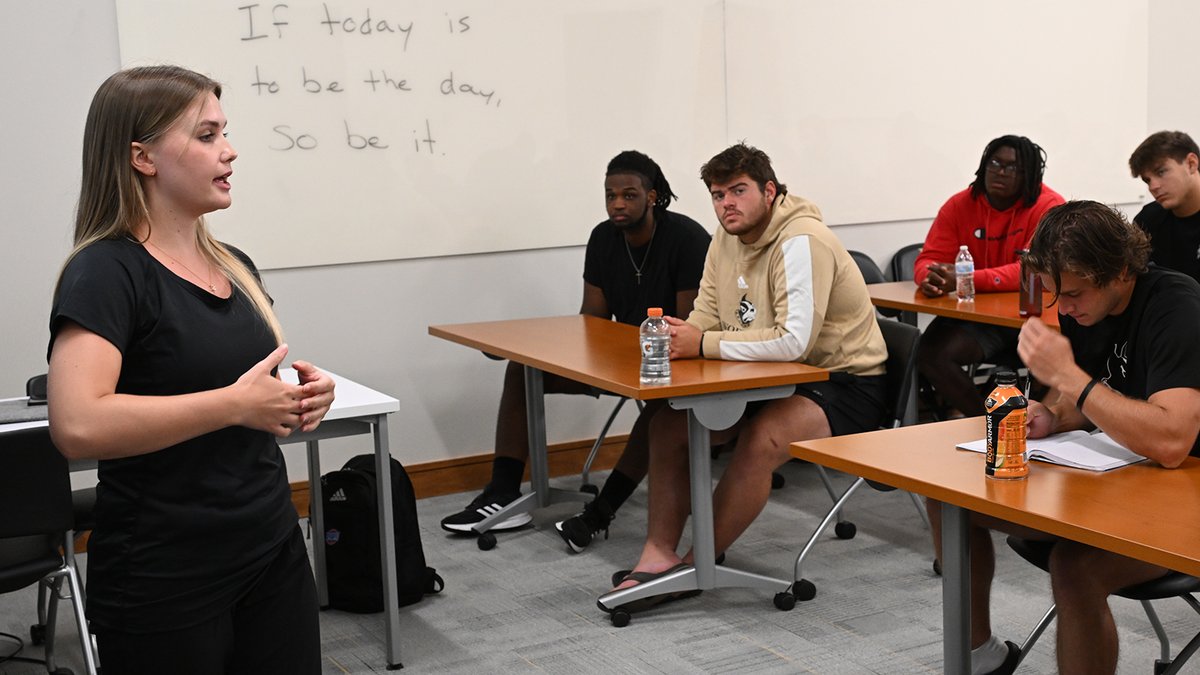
pixel 746 311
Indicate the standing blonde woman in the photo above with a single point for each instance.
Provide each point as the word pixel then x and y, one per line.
pixel 163 358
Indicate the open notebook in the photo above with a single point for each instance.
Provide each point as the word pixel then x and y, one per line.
pixel 1093 451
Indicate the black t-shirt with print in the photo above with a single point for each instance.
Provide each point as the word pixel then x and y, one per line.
pixel 1152 346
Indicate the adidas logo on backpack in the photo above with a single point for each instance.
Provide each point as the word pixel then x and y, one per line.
pixel 339 496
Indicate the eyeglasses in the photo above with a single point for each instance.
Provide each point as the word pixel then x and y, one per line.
pixel 1003 169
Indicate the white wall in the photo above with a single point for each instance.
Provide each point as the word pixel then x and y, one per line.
pixel 365 321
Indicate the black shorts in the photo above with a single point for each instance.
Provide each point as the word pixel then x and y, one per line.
pixel 852 403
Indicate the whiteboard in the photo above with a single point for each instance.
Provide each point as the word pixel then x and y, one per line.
pixel 879 110
pixel 376 131
pixel 477 126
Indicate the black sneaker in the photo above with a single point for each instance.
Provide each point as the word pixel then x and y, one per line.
pixel 483 506
pixel 579 530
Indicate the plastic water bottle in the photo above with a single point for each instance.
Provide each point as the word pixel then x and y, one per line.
pixel 656 348
pixel 964 275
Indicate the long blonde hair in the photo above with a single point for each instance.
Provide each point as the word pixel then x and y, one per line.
pixel 140 105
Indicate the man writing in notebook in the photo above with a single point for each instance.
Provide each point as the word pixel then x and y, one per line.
pixel 1169 163
pixel 642 256
pixel 1126 362
pixel 777 286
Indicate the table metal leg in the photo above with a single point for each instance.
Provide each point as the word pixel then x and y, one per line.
pixel 700 472
pixel 540 493
pixel 956 590
pixel 705 412
pixel 316 521
pixel 535 404
pixel 387 541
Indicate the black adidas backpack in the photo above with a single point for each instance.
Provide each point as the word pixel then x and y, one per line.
pixel 352 539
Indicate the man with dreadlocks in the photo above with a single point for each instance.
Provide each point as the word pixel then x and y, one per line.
pixel 994 218
pixel 642 256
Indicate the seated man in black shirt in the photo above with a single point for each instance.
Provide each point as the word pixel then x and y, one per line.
pixel 1126 362
pixel 642 256
pixel 1169 163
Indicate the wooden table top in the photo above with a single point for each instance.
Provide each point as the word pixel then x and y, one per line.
pixel 605 354
pixel 1142 511
pixel 999 309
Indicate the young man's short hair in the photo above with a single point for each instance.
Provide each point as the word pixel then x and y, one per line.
pixel 737 160
pixel 1174 145
pixel 1089 240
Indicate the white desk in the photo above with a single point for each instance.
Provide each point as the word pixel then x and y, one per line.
pixel 356 410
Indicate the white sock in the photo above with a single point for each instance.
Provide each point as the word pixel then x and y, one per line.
pixel 988 656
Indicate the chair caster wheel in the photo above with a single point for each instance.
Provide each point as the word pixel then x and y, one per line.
pixel 777 480
pixel 845 530
pixel 619 617
pixel 804 590
pixel 37 633
pixel 1161 666
pixel 486 541
pixel 937 567
pixel 785 601
pixel 590 489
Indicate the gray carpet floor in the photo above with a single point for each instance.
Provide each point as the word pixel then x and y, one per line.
pixel 530 606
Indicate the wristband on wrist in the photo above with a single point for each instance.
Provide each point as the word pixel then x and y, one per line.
pixel 1087 389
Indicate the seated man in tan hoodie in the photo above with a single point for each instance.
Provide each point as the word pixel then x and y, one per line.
pixel 777 286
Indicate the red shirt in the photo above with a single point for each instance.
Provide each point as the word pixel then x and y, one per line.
pixel 993 237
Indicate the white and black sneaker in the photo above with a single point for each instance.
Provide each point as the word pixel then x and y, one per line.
pixel 481 507
pixel 579 530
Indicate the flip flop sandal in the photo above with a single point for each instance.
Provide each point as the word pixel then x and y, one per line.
pixel 619 575
pixel 643 604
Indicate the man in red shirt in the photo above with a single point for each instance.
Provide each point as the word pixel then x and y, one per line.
pixel 994 217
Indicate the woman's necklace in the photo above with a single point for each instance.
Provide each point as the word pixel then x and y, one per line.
pixel 637 269
pixel 207 281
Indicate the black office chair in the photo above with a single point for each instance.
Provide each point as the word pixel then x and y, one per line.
pixel 35 498
pixel 901 269
pixel 872 275
pixel 83 503
pixel 870 271
pixel 902 340
pixel 1173 584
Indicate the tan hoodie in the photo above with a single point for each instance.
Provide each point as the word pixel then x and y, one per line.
pixel 793 295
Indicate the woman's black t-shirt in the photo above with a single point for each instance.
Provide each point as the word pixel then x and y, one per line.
pixel 180 533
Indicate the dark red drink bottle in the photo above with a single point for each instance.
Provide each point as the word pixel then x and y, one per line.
pixel 1031 289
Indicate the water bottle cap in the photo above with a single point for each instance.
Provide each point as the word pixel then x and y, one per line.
pixel 962 248
pixel 654 311
pixel 1006 376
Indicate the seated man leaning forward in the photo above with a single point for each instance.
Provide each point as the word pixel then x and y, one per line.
pixel 642 256
pixel 994 218
pixel 777 286
pixel 1169 163
pixel 1126 362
